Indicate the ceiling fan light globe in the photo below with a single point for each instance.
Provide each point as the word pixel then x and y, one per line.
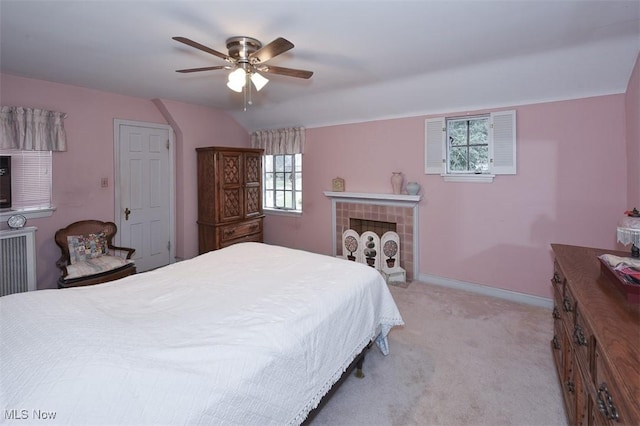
pixel 237 76
pixel 237 80
pixel 235 86
pixel 259 81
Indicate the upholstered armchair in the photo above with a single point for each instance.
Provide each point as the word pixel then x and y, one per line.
pixel 89 256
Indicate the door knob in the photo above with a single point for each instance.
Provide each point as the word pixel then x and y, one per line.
pixel 127 212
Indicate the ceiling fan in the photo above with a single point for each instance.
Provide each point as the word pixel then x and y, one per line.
pixel 246 58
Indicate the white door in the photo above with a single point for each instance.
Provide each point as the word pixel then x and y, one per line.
pixel 144 191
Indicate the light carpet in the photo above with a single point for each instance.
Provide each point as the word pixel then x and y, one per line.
pixel 460 359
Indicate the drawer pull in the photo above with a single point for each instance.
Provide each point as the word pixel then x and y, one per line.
pixel 555 342
pixel 578 336
pixel 605 403
pixel 566 304
pixel 556 278
pixel 229 232
pixel 556 312
pixel 254 227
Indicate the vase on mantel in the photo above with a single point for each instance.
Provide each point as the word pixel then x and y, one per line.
pixel 413 188
pixel 396 182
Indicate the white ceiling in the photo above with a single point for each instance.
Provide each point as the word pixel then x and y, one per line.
pixel 371 59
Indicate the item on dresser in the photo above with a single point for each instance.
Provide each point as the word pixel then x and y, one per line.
pixel 595 346
pixel 633 213
pixel 628 231
pixel 624 273
pixel 229 197
pixel 251 334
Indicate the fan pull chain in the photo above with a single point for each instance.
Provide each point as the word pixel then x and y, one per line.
pixel 244 92
pixel 248 85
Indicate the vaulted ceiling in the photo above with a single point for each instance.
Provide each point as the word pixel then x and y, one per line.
pixel 371 59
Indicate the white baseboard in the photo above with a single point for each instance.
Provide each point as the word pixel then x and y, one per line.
pixel 487 291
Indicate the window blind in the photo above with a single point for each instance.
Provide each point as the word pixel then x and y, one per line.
pixel 30 179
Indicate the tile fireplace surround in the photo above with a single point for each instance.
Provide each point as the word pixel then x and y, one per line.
pixel 399 209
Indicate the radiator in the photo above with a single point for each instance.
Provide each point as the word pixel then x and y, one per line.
pixel 18 260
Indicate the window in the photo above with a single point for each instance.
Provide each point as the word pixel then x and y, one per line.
pixel 471 148
pixel 283 182
pixel 30 179
pixel 468 145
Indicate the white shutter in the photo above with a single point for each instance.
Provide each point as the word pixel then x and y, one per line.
pixel 434 146
pixel 502 134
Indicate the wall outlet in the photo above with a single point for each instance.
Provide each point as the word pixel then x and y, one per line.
pixel 104 182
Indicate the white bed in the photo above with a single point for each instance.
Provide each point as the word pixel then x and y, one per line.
pixel 248 335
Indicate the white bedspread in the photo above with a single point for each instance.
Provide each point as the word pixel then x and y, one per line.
pixel 249 335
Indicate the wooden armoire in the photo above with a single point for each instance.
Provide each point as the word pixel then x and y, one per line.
pixel 229 197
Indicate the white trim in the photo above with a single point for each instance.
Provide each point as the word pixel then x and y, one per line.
pixel 353 196
pixel 481 178
pixel 282 212
pixel 172 184
pixel 28 213
pixel 500 293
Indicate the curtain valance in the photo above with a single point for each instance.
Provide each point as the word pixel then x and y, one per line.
pixel 31 129
pixel 279 141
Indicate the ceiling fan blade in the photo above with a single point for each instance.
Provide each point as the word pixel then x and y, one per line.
pixel 203 69
pixel 290 72
pixel 275 48
pixel 203 48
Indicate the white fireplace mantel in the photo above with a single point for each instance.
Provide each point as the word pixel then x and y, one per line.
pixel 397 200
pixel 367 197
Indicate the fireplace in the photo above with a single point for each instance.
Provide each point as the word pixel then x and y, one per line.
pixel 377 226
pixel 379 211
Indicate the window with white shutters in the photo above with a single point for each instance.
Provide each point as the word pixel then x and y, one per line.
pixel 471 148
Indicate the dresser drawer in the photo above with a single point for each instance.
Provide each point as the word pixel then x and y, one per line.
pixel 582 340
pixel 558 345
pixel 569 306
pixel 558 311
pixel 609 407
pixel 255 238
pixel 558 280
pixel 566 303
pixel 240 230
pixel 558 277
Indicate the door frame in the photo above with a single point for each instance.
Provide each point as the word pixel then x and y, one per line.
pixel 117 122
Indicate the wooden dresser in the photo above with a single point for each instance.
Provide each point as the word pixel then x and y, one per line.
pixel 229 197
pixel 596 342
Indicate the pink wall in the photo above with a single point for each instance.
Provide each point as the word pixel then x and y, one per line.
pixel 570 188
pixel 633 137
pixel 195 126
pixel 364 155
pixel 90 156
pixel 572 183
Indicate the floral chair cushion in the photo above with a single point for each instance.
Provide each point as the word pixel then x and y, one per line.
pixel 85 247
pixel 95 266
